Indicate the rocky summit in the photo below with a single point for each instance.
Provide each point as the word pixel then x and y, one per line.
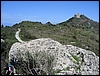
pixel 68 59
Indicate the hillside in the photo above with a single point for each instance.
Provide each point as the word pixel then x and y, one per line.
pixel 79 31
pixel 83 31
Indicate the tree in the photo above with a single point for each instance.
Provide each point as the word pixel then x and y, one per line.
pixel 3 65
pixel 2 26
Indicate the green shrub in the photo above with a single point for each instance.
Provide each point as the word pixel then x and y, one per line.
pixel 67 68
pixel 76 58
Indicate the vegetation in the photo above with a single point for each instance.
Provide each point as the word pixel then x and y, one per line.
pixel 78 70
pixel 56 71
pixel 39 63
pixel 3 66
pixel 83 31
pixel 67 68
pixel 76 58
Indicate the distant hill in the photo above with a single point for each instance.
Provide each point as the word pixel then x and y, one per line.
pixel 79 29
pixel 82 21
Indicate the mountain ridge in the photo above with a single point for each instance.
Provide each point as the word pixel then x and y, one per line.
pixel 77 32
pixel 11 24
pixel 82 30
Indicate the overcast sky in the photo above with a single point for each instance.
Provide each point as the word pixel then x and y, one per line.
pixel 13 12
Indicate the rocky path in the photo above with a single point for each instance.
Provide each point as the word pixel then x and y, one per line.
pixel 17 36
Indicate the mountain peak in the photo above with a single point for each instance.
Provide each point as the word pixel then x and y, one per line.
pixel 77 15
pixel 80 20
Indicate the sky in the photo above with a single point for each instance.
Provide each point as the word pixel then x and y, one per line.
pixel 13 12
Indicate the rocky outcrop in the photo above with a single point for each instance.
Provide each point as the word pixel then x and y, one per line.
pixel 77 15
pixel 68 59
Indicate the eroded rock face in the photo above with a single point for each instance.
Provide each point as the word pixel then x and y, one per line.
pixel 47 45
pixel 70 60
pixel 88 61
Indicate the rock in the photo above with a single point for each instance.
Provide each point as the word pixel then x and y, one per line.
pixel 78 60
pixel 2 40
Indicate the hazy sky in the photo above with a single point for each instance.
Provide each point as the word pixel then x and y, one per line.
pixel 13 12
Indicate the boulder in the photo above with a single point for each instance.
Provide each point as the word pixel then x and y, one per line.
pixel 71 60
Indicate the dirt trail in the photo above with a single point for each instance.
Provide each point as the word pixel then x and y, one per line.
pixel 17 36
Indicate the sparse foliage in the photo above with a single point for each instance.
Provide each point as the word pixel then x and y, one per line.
pixel 38 63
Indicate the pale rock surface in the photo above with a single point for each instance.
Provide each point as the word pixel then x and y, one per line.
pixel 2 40
pixel 88 61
